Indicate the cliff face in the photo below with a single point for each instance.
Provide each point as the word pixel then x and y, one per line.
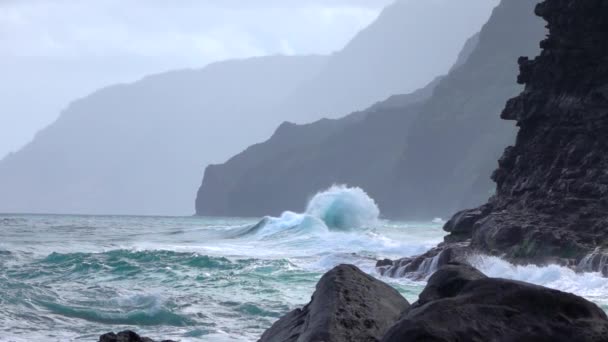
pixel 552 185
pixel 419 156
pixel 285 171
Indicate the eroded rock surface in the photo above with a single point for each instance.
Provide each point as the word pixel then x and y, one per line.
pixel 459 303
pixel 422 266
pixel 348 305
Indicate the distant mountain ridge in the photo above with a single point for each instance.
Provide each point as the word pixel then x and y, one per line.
pixel 140 148
pixel 403 50
pixel 418 159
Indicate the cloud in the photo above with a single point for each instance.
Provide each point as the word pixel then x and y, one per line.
pixel 54 51
pixel 186 30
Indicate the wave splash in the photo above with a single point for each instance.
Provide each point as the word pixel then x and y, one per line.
pixel 593 286
pixel 339 208
pixel 343 208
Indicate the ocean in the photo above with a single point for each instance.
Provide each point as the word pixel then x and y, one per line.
pixel 72 278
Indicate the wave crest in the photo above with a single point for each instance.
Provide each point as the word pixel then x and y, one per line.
pixel 338 208
pixel 341 207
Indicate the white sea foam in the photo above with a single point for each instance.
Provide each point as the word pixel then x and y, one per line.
pixel 338 208
pixel 590 285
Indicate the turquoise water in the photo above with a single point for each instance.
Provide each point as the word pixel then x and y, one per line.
pixel 72 278
pixel 68 278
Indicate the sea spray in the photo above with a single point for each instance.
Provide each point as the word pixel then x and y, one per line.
pixel 338 208
pixel 344 208
pixel 589 285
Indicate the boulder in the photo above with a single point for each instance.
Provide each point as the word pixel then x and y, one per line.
pixel 461 304
pixel 348 305
pixel 125 336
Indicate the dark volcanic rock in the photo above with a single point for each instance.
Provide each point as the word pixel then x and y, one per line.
pixel 125 336
pixel 348 305
pixel 551 202
pixel 461 304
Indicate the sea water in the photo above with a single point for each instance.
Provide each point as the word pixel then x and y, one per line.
pixel 72 278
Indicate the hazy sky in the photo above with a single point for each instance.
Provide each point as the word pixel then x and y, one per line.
pixel 54 51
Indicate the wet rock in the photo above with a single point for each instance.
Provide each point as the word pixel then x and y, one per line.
pixel 461 304
pixel 348 305
pixel 449 282
pixel 597 261
pixel 125 336
pixel 422 266
pixel 462 222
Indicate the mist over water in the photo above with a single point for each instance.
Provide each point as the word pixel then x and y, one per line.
pixel 202 279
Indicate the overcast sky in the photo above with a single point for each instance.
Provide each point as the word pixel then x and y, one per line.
pixel 54 51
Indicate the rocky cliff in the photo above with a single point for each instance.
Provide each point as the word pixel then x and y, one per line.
pixel 551 202
pixel 419 156
pixel 285 171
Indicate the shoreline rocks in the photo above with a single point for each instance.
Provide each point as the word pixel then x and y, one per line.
pixel 422 266
pixel 459 303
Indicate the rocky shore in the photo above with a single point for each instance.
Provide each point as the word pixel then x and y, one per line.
pixel 459 303
pixel 551 203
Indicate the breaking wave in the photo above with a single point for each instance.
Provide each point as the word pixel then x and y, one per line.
pixel 339 208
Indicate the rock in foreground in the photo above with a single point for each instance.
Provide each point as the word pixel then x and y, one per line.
pixel 125 336
pixel 348 305
pixel 459 303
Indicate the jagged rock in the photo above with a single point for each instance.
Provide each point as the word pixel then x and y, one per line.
pixel 461 304
pixel 125 336
pixel 422 266
pixel 348 305
pixel 551 203
pixel 461 224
